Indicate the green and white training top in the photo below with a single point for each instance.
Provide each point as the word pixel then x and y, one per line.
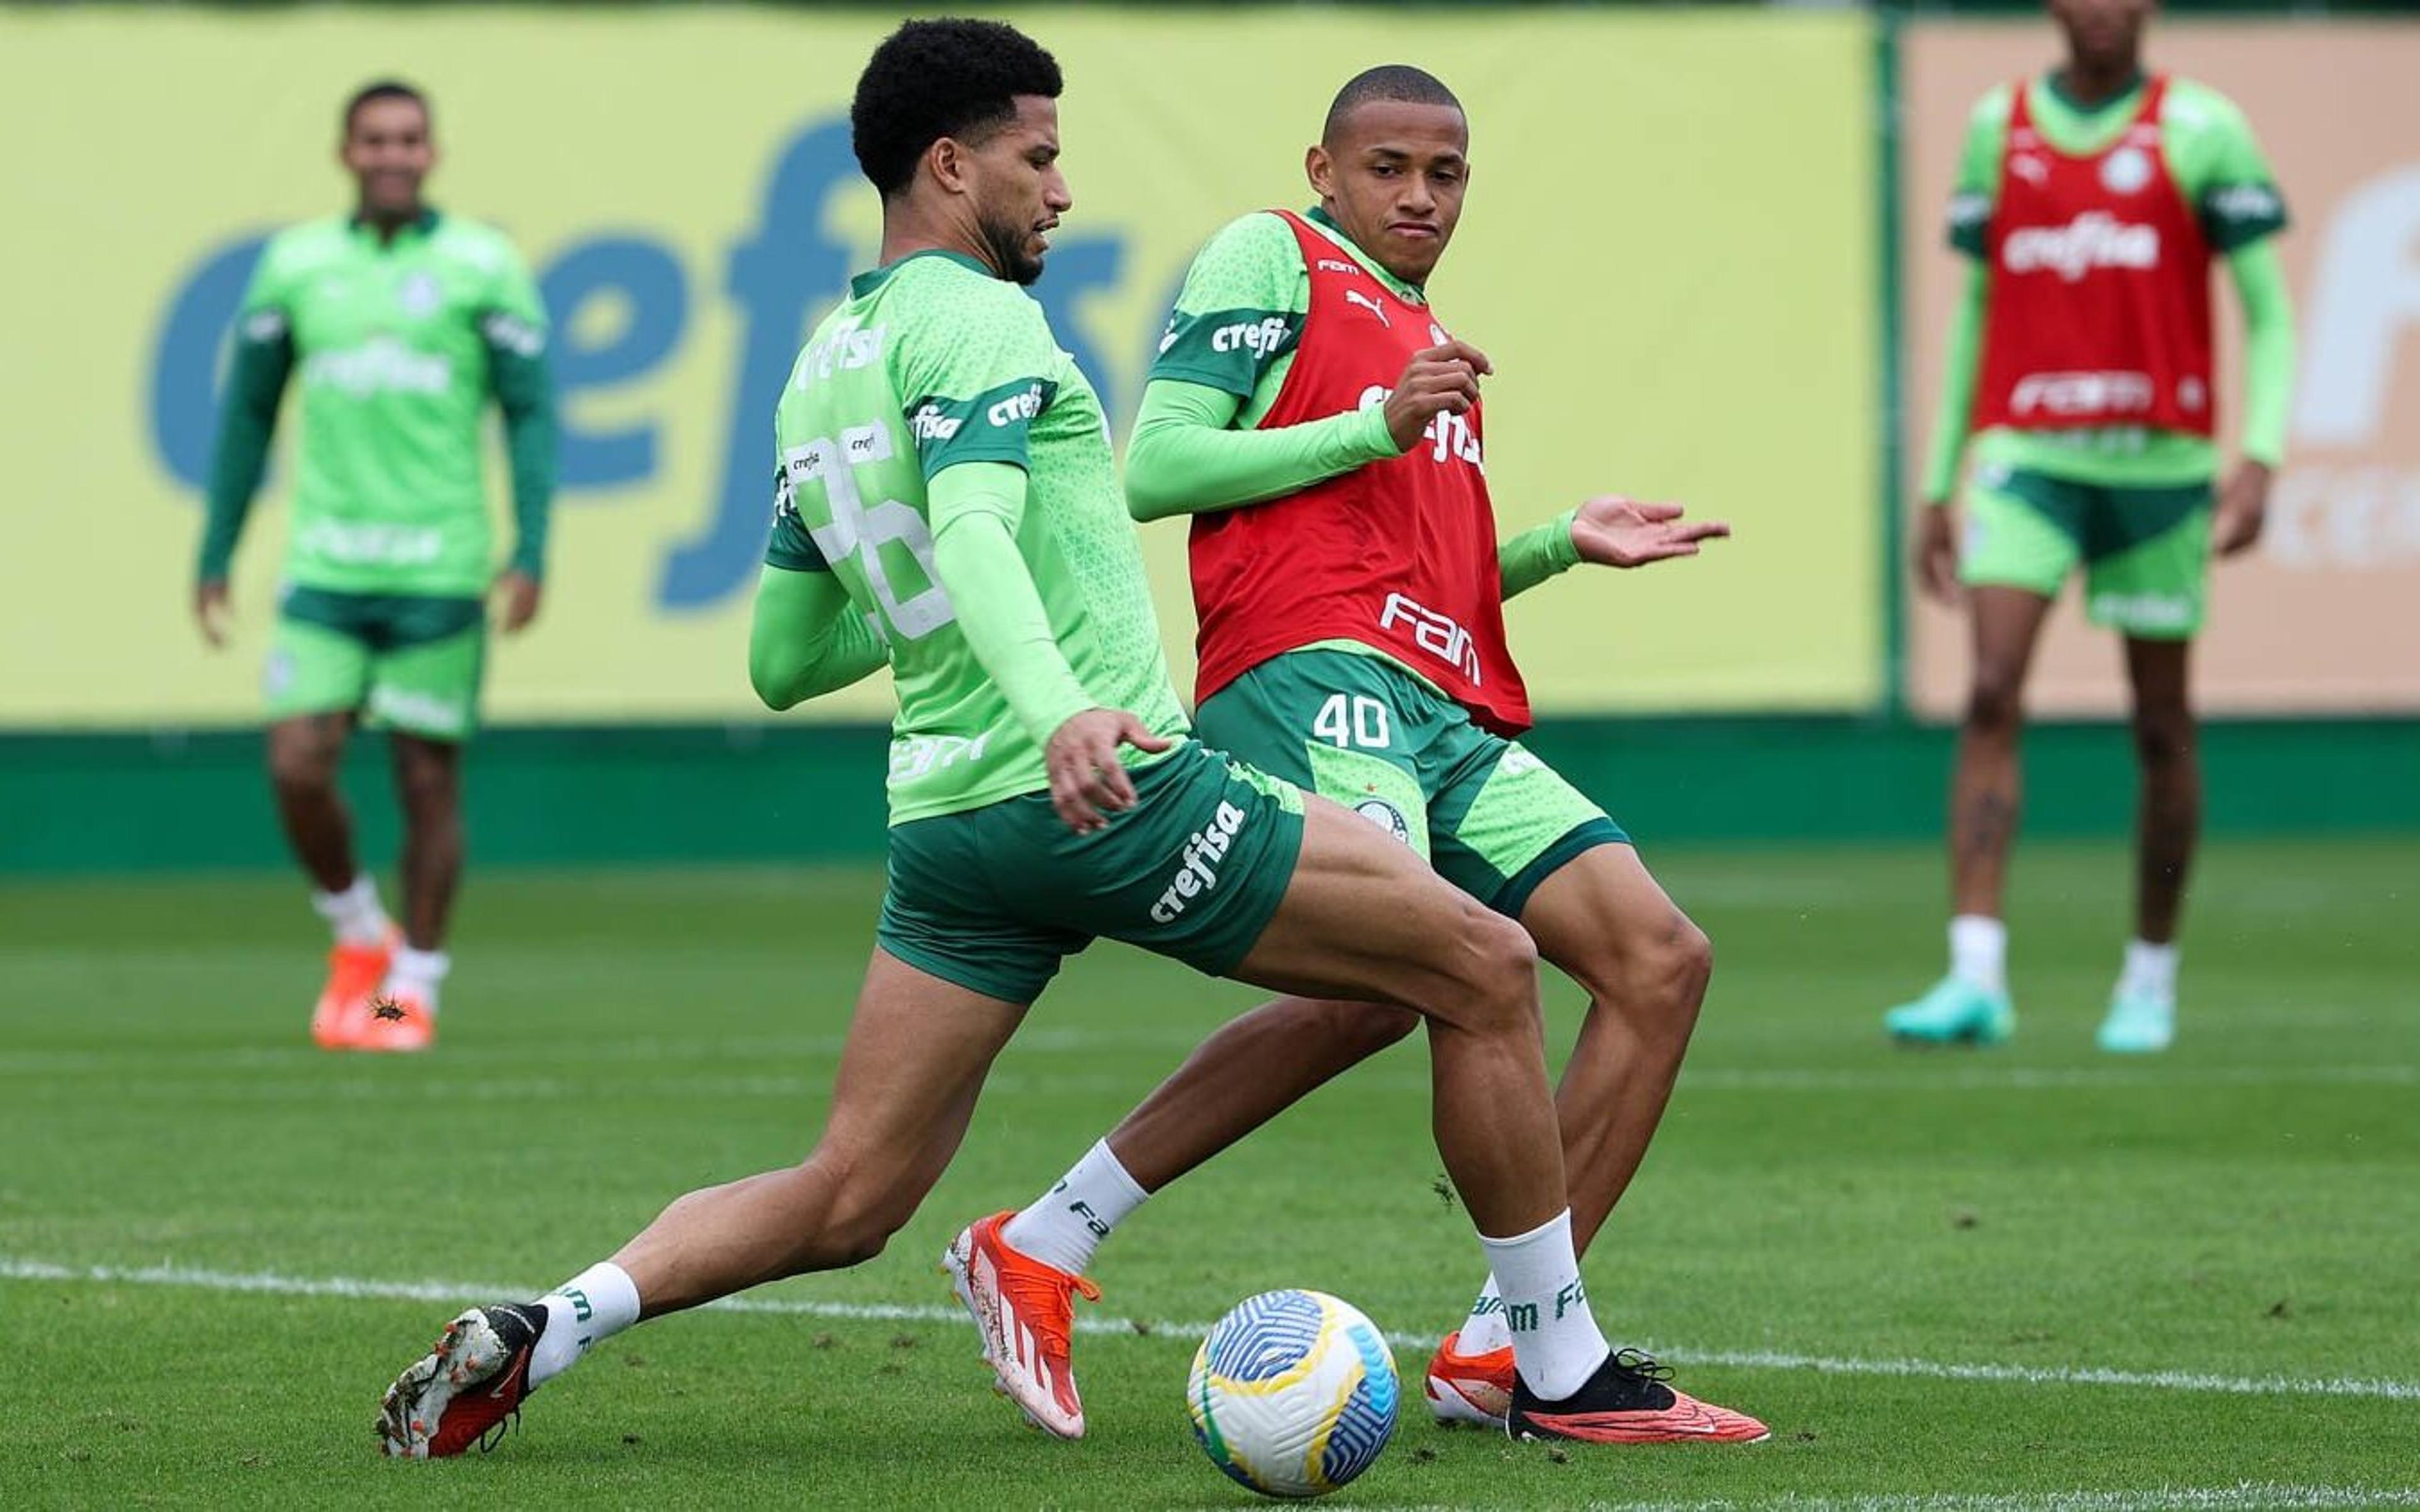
pixel 932 363
pixel 399 344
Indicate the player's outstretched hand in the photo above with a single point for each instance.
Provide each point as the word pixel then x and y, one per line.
pixel 2242 508
pixel 1614 531
pixel 1439 380
pixel 1087 780
pixel 1936 554
pixel 521 593
pixel 211 610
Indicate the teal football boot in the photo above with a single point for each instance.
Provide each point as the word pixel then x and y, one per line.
pixel 2138 1026
pixel 1955 1011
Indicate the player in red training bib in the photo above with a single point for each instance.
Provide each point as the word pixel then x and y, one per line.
pixel 1321 424
pixel 2082 393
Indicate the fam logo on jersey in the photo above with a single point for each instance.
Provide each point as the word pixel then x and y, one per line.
pixel 2126 170
pixel 2093 239
pixel 419 295
pixel 2070 396
pixel 1386 816
pixel 1435 632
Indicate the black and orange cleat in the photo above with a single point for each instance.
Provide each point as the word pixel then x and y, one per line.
pixel 1627 1401
pixel 467 1391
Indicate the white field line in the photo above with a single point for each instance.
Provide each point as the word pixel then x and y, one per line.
pixel 2242 1495
pixel 452 1293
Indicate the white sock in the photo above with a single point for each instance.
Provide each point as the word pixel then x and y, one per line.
pixel 1484 1332
pixel 1065 1224
pixel 596 1304
pixel 1978 951
pixel 354 913
pixel 417 972
pixel 1556 1343
pixel 2150 971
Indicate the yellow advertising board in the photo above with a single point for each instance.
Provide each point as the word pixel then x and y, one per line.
pixel 1677 308
pixel 2322 618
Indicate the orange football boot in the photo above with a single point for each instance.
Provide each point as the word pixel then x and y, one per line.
pixel 1470 1388
pixel 1024 1310
pixel 354 972
pixel 396 1021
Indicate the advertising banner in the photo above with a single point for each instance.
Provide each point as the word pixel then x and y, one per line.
pixel 1667 252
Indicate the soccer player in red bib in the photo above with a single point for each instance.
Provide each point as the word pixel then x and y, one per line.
pixel 1322 427
pixel 2081 390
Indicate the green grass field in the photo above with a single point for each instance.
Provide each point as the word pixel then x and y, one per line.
pixel 2028 1278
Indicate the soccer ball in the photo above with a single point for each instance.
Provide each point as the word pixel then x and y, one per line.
pixel 1294 1393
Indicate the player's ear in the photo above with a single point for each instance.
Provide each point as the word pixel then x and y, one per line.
pixel 948 159
pixel 1320 169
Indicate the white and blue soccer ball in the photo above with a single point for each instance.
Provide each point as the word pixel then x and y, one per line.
pixel 1294 1393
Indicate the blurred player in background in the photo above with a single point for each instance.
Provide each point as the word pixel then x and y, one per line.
pixel 1322 430
pixel 2093 199
pixel 401 323
pixel 947 500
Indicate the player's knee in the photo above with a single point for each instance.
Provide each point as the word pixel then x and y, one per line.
pixel 1995 704
pixel 2163 738
pixel 300 764
pixel 1682 964
pixel 1500 963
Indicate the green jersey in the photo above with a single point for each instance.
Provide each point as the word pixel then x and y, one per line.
pixel 931 363
pixel 1240 314
pixel 2219 169
pixel 397 344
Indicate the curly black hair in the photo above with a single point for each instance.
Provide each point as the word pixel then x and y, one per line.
pixel 930 79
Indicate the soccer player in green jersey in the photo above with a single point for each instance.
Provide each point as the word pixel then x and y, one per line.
pixel 2079 391
pixel 947 502
pixel 400 324
pixel 1349 711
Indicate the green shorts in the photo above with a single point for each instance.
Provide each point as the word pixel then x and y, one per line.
pixel 1360 731
pixel 994 898
pixel 402 660
pixel 2145 551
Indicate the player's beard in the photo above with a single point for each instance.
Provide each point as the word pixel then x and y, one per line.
pixel 1007 242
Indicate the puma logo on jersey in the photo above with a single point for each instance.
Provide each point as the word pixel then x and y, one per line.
pixel 1354 296
pixel 2095 239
